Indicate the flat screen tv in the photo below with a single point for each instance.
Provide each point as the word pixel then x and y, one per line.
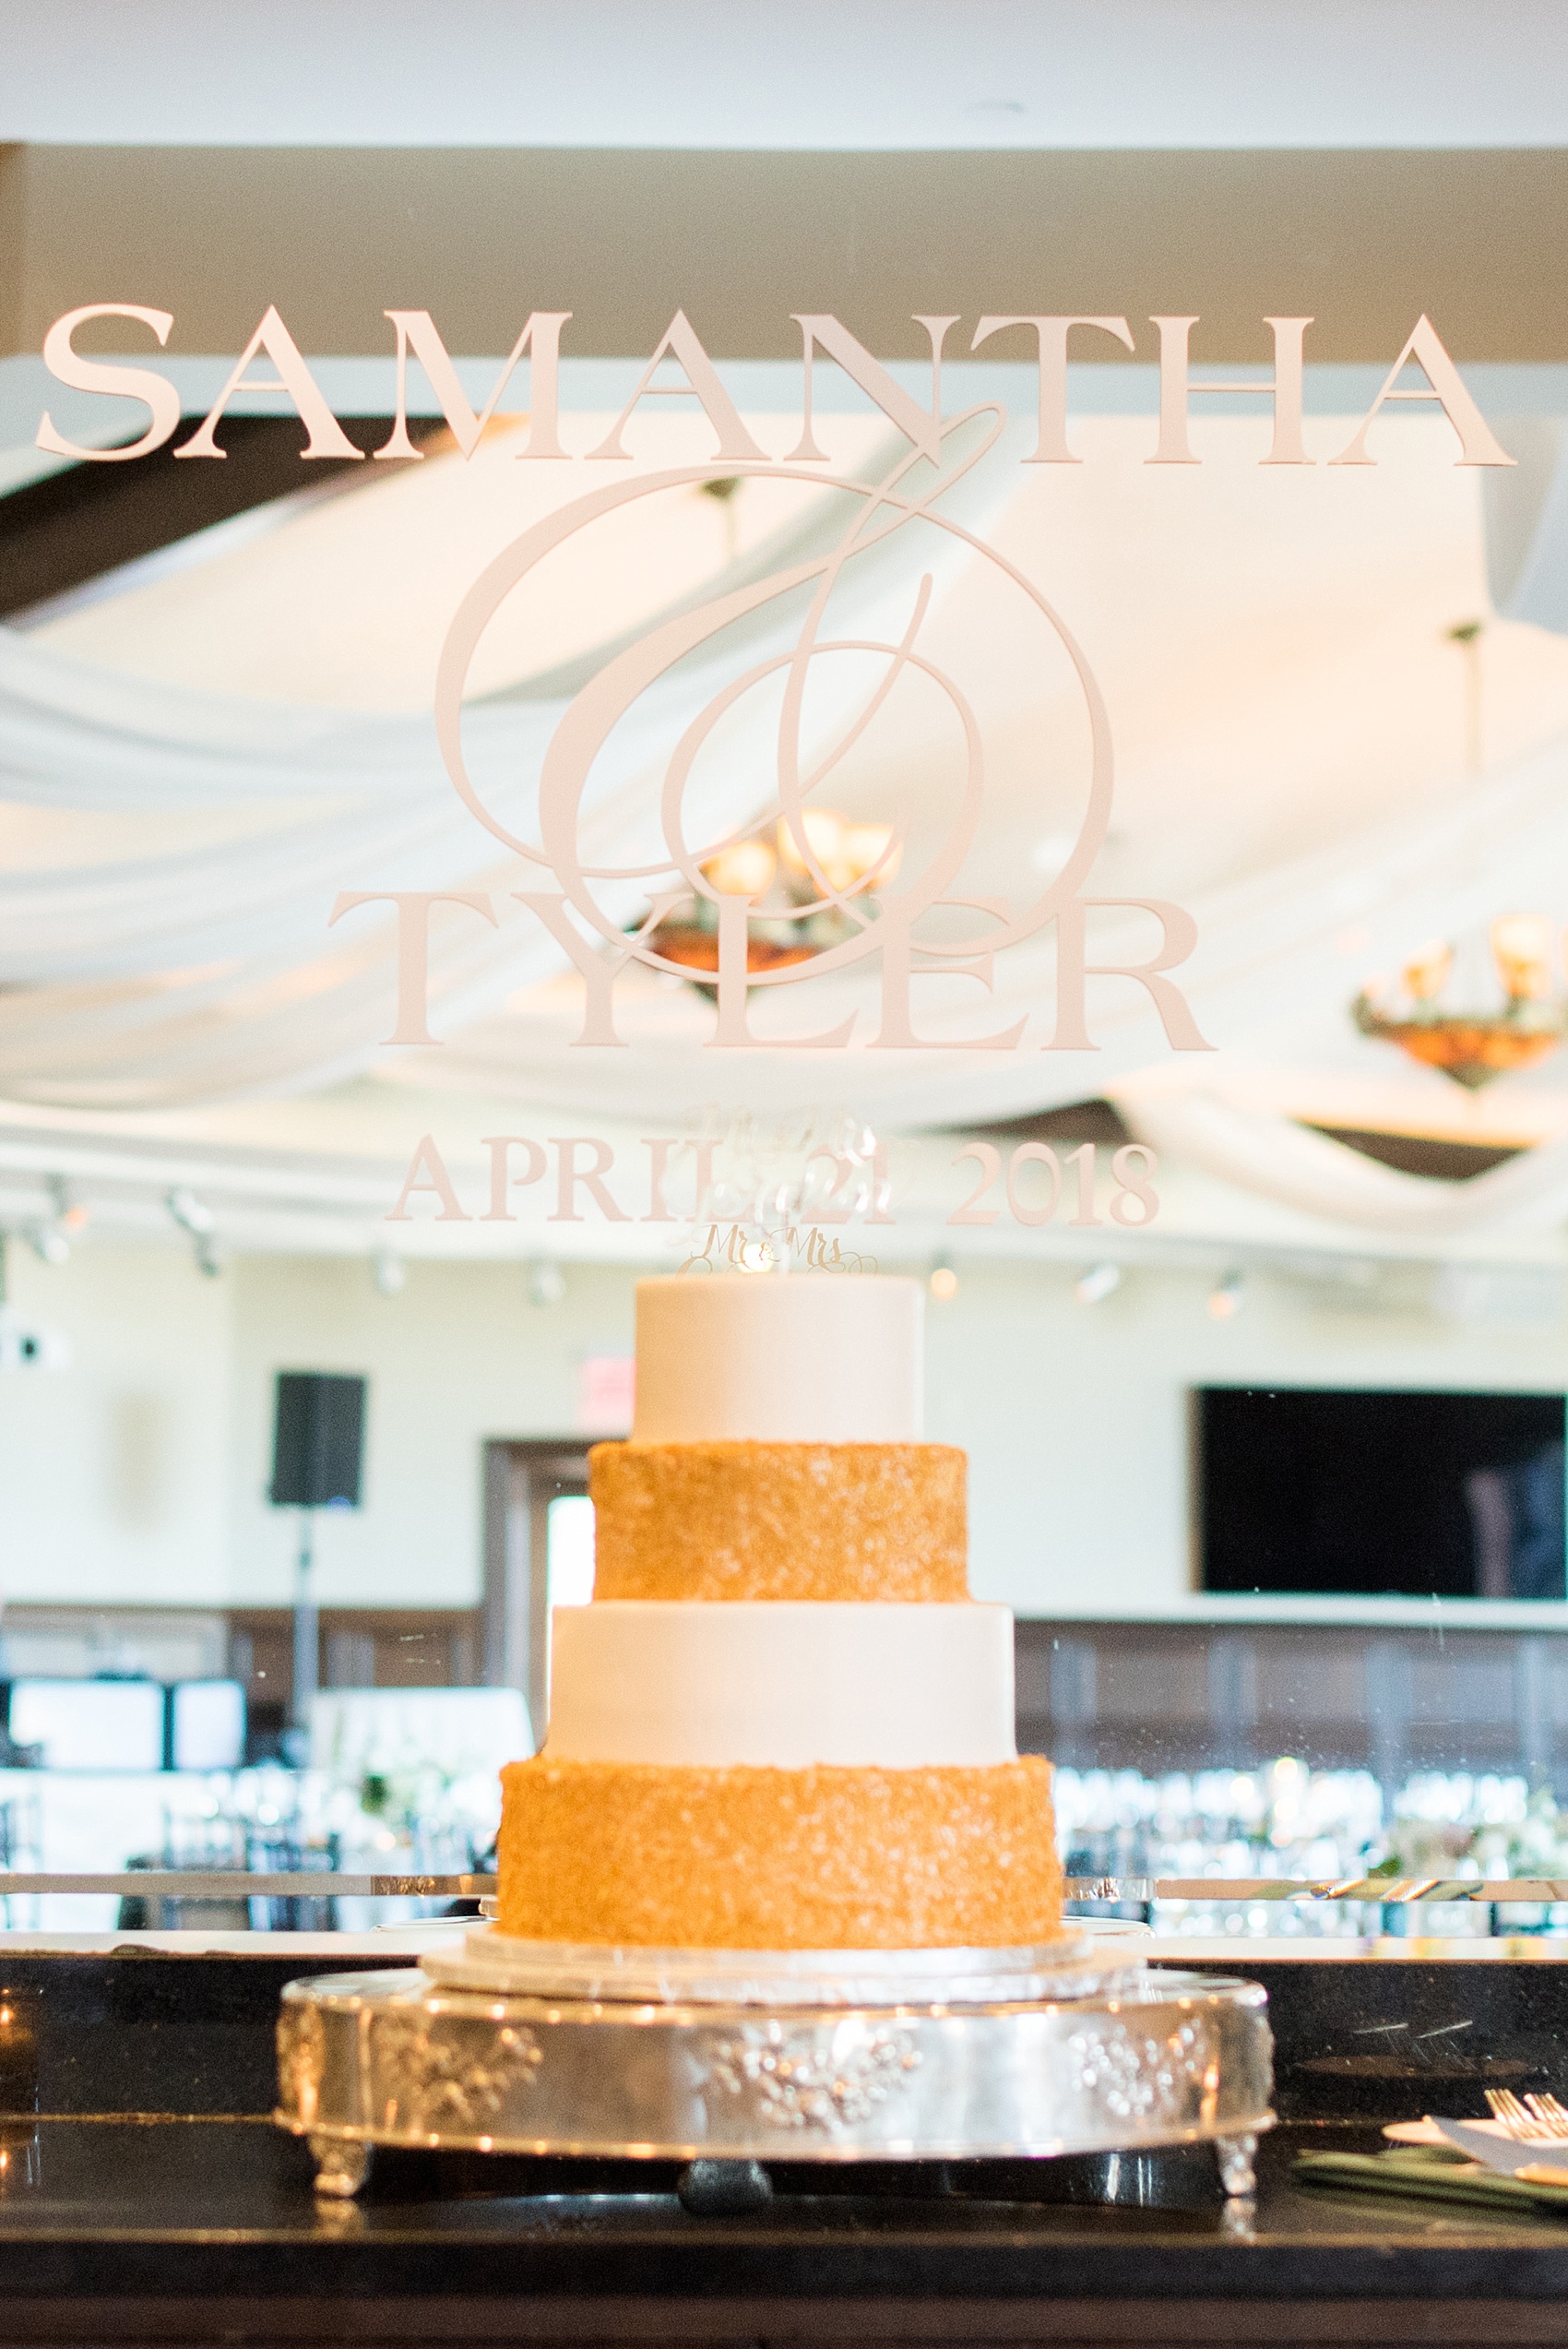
pixel 1303 1489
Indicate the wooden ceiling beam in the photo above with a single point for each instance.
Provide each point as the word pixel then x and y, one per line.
pixel 1363 241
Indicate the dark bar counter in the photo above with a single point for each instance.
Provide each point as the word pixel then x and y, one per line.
pixel 208 2231
pixel 146 2196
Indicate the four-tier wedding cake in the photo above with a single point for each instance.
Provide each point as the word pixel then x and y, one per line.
pixel 782 1723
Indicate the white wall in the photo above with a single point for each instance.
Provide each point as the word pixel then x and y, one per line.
pixel 139 1475
pixel 115 1475
pixel 1075 1417
pixel 460 1355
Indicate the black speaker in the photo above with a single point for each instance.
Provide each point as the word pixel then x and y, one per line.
pixel 317 1440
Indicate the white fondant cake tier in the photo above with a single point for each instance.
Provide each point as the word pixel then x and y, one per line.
pixel 780 1358
pixel 781 1684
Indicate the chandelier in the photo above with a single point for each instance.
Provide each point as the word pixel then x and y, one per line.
pixel 1453 1011
pixel 791 920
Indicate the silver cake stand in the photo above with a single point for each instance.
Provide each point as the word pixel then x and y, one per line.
pixel 741 2058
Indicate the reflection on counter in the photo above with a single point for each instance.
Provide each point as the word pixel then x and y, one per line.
pixel 399 1781
pixel 1289 1822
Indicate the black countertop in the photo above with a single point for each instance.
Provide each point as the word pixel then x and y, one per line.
pixel 142 2031
pixel 152 2200
pixel 209 2229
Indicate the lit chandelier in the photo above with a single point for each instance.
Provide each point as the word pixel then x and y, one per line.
pixel 791 920
pixel 1450 1011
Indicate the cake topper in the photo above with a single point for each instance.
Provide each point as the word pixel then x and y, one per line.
pixel 774 1195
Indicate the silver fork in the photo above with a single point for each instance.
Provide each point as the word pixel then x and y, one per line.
pixel 1524 2124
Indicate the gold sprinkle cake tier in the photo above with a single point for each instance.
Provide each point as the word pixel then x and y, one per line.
pixel 821 1858
pixel 738 1520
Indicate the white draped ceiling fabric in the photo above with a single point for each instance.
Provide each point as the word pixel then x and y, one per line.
pixel 194 765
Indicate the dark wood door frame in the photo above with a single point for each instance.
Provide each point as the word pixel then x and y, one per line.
pixel 521 1479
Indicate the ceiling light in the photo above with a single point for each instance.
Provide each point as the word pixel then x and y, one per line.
pixel 69 1213
pixel 1473 1017
pixel 547 1282
pixel 189 1212
pixel 389 1272
pixel 944 1282
pixel 1227 1298
pixel 744 870
pixel 793 913
pixel 48 1243
pixel 844 853
pixel 1102 1281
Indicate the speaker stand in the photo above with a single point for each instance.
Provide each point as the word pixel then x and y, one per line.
pixel 306 1640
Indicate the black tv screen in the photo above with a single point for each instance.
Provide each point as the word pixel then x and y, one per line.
pixel 1305 1489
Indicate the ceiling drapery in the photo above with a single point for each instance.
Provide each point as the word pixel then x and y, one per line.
pixel 1276 1158
pixel 180 948
pixel 172 855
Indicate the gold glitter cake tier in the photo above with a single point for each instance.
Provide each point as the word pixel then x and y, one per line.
pixel 737 1521
pixel 632 1854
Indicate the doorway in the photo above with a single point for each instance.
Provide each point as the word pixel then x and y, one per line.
pixel 538 1554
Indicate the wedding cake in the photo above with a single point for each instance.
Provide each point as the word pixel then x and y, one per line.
pixel 782 1723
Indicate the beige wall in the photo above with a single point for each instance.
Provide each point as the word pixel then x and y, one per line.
pixel 140 1474
pixel 460 1355
pixel 1362 241
pixel 115 1474
pixel 1075 1418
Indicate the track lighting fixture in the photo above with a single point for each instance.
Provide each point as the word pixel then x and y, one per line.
pixel 192 1215
pixel 547 1282
pixel 389 1273
pixel 1102 1281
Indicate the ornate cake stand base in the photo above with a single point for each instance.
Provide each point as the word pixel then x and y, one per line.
pixel 1130 2059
